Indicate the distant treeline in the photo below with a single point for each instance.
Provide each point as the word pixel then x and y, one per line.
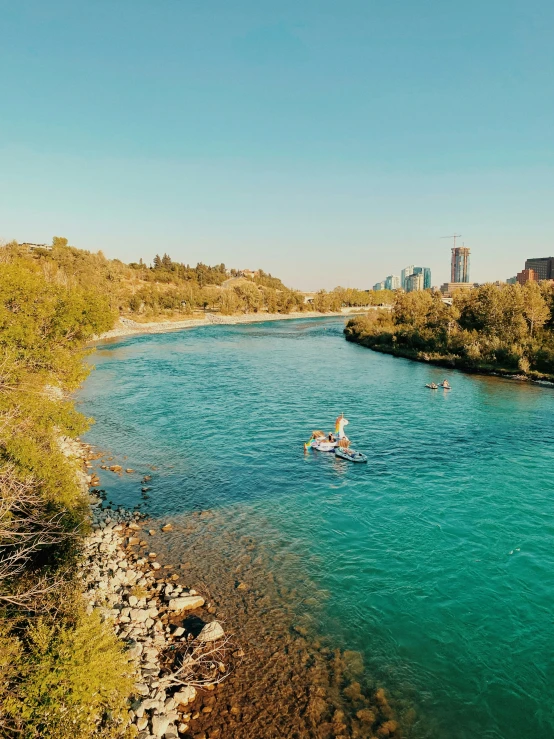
pixel 167 287
pixel 172 288
pixel 506 328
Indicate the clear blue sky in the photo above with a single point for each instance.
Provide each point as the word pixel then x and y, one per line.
pixel 326 142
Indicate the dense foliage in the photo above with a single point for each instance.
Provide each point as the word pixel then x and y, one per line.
pixel 507 327
pixel 350 297
pixel 62 671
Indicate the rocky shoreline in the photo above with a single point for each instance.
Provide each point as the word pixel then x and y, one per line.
pixel 179 649
pixel 148 611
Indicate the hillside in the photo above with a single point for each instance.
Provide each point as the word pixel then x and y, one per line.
pixel 166 288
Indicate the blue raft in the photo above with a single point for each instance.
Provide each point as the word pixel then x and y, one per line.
pixel 350 455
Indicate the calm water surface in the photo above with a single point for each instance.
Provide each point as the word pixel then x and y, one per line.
pixel 437 557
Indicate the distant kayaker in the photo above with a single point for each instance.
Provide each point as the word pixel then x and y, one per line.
pixel 445 383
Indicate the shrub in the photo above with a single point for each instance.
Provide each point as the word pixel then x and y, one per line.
pixel 65 680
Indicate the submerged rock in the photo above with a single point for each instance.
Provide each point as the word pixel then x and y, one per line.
pixel 211 632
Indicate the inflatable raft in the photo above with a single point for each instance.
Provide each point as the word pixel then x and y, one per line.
pixel 350 455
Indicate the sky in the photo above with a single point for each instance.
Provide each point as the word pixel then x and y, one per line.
pixel 329 143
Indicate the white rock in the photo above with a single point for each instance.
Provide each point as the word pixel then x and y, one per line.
pixel 138 615
pixel 160 725
pixel 211 632
pixel 179 631
pixel 186 603
pixel 185 696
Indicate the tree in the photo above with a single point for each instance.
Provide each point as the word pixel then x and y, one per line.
pixel 157 262
pixel 250 296
pixel 535 308
pixel 166 261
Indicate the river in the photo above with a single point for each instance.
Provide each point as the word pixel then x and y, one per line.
pixel 435 560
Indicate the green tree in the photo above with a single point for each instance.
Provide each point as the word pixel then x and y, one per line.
pixel 535 307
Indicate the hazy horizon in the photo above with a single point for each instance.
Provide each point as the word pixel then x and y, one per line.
pixel 329 145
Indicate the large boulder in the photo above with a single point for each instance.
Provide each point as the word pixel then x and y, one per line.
pixel 211 632
pixel 186 603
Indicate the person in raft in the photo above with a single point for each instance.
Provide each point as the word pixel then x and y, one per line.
pixel 340 423
pixel 314 439
pixel 344 444
pixel 445 383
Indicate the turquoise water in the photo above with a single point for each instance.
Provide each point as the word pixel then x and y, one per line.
pixel 437 556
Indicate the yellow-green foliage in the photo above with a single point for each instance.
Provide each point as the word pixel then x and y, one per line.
pixel 509 327
pixel 64 681
pixel 63 673
pixel 166 288
pixel 44 326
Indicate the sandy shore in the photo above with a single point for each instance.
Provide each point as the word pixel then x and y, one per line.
pixel 128 327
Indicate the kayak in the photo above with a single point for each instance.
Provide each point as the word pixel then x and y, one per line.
pixel 352 457
pixel 445 387
pixel 432 387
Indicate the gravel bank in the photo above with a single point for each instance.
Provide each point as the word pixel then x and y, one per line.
pixel 128 327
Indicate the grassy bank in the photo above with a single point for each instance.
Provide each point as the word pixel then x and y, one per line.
pixel 505 330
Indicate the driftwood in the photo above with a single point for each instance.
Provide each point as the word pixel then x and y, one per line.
pixel 199 665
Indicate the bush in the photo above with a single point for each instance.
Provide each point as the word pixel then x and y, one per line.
pixel 65 680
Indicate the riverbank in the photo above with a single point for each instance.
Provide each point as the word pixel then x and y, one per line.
pixel 128 327
pixel 181 652
pixel 453 362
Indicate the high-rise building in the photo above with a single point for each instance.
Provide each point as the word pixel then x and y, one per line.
pixel 406 272
pixel 379 286
pixel 414 282
pixel 426 278
pixel 459 270
pixel 392 282
pixel 426 272
pixel 526 275
pixel 543 267
pixel 511 281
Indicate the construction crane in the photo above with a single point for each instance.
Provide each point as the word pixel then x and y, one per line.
pixel 454 236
